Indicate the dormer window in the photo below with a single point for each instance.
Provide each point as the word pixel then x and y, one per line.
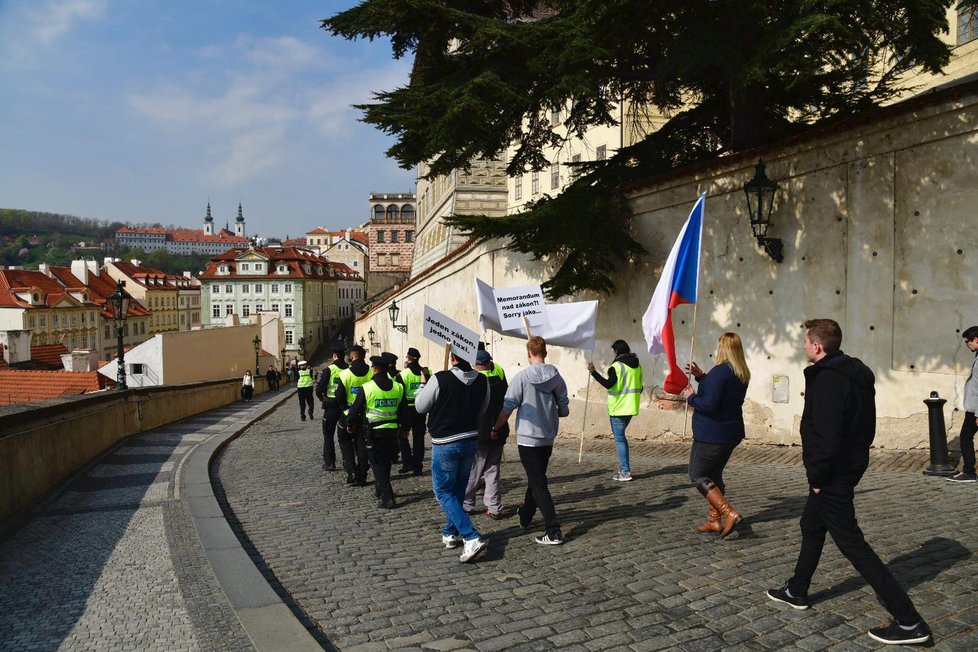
pixel 244 267
pixel 223 269
pixel 283 269
pixel 37 298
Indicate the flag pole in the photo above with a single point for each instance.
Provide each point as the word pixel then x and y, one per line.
pixel 692 338
pixel 587 392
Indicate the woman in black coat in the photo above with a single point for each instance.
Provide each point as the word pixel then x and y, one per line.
pixel 718 427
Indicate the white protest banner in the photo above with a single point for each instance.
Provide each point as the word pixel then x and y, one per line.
pixel 440 328
pixel 513 304
pixel 569 324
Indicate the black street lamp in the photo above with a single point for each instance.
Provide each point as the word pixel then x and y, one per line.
pixel 393 311
pixel 257 343
pixel 283 359
pixel 302 346
pixel 760 200
pixel 363 342
pixel 118 305
pixel 371 334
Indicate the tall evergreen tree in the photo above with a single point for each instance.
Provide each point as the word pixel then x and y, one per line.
pixel 732 74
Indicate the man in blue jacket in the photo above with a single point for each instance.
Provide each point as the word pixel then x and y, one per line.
pixel 838 425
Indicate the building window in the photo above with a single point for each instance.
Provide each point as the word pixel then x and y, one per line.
pixel 43 320
pixel 32 322
pixel 259 307
pixel 601 153
pixel 245 309
pixel 380 235
pixel 257 288
pixel 288 310
pixel 142 328
pixel 274 288
pixel 245 289
pixel 967 22
pixel 288 337
pixel 555 118
pixel 534 182
pixel 216 312
pixel 229 289
pixel 555 176
pixel 136 368
pixel 106 332
pixel 409 236
pixel 288 288
pixel 395 260
pixel 393 236
pixel 274 307
pixel 575 169
pixel 244 267
pixel 518 188
pixel 228 310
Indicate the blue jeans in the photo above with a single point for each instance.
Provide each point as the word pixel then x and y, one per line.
pixel 618 425
pixel 450 468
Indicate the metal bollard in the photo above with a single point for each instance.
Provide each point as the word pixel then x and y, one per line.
pixel 938 437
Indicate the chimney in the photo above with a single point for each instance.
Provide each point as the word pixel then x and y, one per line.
pixel 232 320
pixel 80 360
pixel 16 346
pixel 188 274
pixel 92 267
pixel 136 262
pixel 79 268
pixel 45 269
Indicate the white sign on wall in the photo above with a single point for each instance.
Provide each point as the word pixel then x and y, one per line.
pixel 513 304
pixel 440 328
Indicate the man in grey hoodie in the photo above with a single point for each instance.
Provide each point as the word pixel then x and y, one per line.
pixel 454 401
pixel 540 395
pixel 969 426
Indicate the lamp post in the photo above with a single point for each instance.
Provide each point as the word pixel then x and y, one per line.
pixel 283 359
pixel 363 342
pixel 371 334
pixel 760 200
pixel 302 346
pixel 393 311
pixel 257 343
pixel 118 304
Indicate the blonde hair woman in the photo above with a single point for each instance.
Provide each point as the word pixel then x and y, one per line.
pixel 718 426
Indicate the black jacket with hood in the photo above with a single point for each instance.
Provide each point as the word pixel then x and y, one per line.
pixel 627 359
pixel 838 423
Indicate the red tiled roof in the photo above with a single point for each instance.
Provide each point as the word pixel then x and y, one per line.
pixel 293 242
pixel 318 231
pixel 48 355
pixel 197 235
pixel 100 286
pixel 360 237
pixel 18 386
pixel 24 280
pixel 294 257
pixel 344 269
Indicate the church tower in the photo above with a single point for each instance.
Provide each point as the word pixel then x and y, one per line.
pixel 239 223
pixel 209 221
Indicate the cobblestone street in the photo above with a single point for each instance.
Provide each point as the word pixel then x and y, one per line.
pixel 633 573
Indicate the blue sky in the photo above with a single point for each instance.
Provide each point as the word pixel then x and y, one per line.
pixel 141 111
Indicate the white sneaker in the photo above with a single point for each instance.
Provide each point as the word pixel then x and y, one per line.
pixel 473 548
pixel 453 541
pixel 621 476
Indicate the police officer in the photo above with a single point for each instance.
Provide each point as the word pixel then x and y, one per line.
pixel 381 403
pixel 413 376
pixel 305 390
pixel 624 384
pixel 326 392
pixel 353 447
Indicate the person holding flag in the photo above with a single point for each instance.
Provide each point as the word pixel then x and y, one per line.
pixel 624 384
pixel 678 285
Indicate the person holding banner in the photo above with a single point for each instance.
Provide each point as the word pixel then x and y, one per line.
pixel 624 384
pixel 381 404
pixel 718 427
pixel 539 393
pixel 485 470
pixel 413 376
pixel 455 400
pixel 353 447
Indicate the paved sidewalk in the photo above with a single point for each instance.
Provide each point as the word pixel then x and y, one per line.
pixel 633 574
pixel 113 562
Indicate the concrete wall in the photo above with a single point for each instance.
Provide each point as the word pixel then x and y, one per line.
pixel 876 224
pixel 42 444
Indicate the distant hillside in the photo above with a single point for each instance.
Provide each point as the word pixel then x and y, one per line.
pixel 29 238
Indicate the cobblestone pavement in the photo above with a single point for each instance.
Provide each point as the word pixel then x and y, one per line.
pixel 113 562
pixel 633 574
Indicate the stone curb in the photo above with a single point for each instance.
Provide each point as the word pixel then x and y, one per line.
pixel 267 620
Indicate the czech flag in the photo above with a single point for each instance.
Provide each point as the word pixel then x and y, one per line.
pixel 678 285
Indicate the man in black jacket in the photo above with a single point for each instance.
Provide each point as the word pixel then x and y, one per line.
pixel 838 425
pixel 489 454
pixel 326 392
pixel 413 376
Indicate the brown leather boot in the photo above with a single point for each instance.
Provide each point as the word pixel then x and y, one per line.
pixel 712 523
pixel 718 502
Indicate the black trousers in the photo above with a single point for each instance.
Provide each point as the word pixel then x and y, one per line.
pixel 707 461
pixel 353 449
pixel 535 460
pixel 384 447
pixel 305 399
pixel 968 430
pixel 834 512
pixel 412 449
pixel 331 417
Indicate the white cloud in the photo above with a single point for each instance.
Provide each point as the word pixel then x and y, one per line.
pixel 54 19
pixel 265 109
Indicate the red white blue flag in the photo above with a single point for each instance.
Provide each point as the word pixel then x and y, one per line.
pixel 678 285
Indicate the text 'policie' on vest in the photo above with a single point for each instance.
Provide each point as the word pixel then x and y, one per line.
pixel 352 383
pixel 625 396
pixel 334 379
pixel 381 406
pixel 305 379
pixel 412 383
